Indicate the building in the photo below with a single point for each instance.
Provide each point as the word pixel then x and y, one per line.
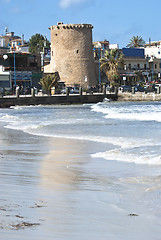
pixel 72 54
pixel 5 79
pixel 153 49
pixel 139 67
pixel 17 65
pixel 10 41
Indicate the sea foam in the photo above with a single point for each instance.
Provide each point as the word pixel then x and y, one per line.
pixel 118 155
pixel 139 113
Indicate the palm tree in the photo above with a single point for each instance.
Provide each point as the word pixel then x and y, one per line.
pixel 110 64
pixel 136 42
pixel 49 81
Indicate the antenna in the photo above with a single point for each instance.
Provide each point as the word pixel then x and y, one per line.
pixel 149 41
pixel 22 37
pixel 6 30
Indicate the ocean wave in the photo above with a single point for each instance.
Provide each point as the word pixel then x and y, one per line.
pixel 138 113
pixel 122 142
pixel 48 128
pixel 8 118
pixel 117 155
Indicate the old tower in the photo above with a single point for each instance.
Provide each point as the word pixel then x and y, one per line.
pixel 72 54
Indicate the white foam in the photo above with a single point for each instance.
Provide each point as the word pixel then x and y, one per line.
pixel 139 113
pixel 16 107
pixel 123 143
pixel 8 118
pixel 39 125
pixel 117 155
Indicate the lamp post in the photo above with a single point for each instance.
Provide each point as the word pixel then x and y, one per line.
pixel 159 74
pixel 14 64
pixel 152 69
pixel 152 57
pixel 147 61
pixel 152 61
pixel 99 56
pixel 99 62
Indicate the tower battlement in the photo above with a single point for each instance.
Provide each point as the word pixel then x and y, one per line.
pixel 60 25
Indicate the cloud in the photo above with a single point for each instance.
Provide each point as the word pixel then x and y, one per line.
pixel 68 3
pixel 15 10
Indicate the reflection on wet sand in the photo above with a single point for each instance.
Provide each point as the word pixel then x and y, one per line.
pixel 60 166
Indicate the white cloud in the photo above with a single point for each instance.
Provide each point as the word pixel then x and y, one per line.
pixel 15 10
pixel 68 3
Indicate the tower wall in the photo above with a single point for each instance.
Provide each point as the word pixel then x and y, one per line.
pixel 72 53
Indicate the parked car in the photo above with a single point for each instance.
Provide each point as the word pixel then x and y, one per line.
pixel 139 88
pixel 2 91
pixel 63 91
pixel 150 88
pixel 125 88
pixel 74 90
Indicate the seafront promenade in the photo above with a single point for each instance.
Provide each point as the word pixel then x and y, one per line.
pixel 22 100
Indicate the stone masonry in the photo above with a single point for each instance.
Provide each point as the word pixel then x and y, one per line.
pixel 72 54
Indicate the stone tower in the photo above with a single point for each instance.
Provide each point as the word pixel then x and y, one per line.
pixel 72 54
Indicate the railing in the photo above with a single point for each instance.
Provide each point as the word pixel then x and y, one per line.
pixel 135 69
pixel 31 69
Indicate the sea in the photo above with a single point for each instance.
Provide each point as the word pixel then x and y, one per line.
pixel 81 172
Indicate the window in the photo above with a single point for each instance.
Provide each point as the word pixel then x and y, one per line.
pixel 138 66
pixel 155 65
pixel 4 77
pixel 5 84
pixel 145 66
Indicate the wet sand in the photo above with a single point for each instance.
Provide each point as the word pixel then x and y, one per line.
pixel 51 188
pixel 43 186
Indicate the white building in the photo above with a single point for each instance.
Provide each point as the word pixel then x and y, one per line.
pixel 113 46
pixel 5 78
pixel 153 49
pixel 10 78
pixel 10 42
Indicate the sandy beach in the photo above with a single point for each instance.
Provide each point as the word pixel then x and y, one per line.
pixel 38 180
pixel 80 172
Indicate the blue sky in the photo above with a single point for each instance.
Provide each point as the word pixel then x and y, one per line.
pixel 116 21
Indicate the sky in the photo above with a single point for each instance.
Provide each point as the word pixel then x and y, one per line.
pixel 116 21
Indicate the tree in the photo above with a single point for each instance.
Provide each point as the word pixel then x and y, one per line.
pixel 136 42
pixel 49 81
pixel 37 42
pixel 110 64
